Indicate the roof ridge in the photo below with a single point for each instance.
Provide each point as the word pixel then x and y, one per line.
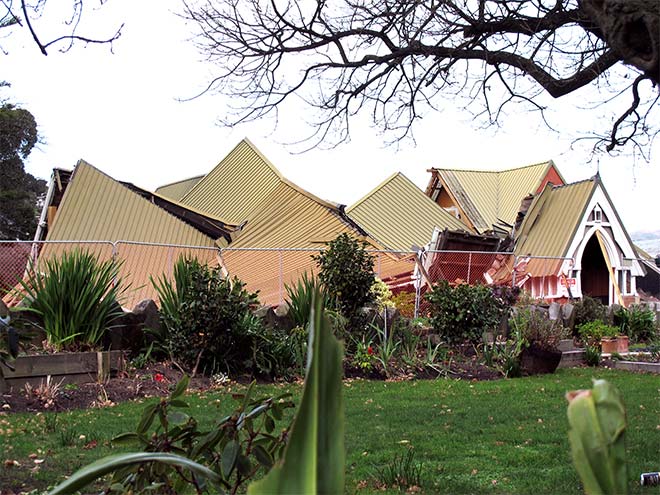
pixel 312 196
pixel 181 180
pixel 590 179
pixel 497 171
pixel 373 191
pixel 176 203
pixel 250 145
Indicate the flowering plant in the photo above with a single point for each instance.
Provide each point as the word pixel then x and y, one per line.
pixel 364 356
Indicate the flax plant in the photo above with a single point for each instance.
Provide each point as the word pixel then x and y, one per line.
pixel 75 296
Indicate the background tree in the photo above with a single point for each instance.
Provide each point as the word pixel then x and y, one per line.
pixel 19 191
pixel 395 59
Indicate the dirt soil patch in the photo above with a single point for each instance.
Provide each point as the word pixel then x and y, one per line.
pixel 154 381
pixel 157 380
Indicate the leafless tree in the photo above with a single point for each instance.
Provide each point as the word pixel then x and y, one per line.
pixel 25 14
pixel 396 59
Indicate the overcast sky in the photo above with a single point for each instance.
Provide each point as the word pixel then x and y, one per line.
pixel 121 112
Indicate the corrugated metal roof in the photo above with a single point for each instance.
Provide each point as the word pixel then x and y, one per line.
pixel 96 207
pixel 177 190
pixel 552 219
pixel 399 215
pixel 489 196
pixel 236 186
pixel 292 218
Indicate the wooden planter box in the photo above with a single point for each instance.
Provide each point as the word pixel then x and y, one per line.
pixel 73 367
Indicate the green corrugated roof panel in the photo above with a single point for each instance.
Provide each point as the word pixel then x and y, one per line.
pixel 552 219
pixel 96 207
pixel 177 190
pixel 236 186
pixel 399 215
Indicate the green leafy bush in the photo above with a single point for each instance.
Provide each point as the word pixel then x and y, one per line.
pixel 462 313
pixel 381 294
pixel 589 309
pixel 346 271
pixel 405 303
pixel 300 298
pixel 592 332
pixel 75 296
pixel 209 325
pixel 208 318
pixel 234 451
pixel 537 330
pixel 637 322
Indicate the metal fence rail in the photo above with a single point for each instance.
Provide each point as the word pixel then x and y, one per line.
pixel 270 271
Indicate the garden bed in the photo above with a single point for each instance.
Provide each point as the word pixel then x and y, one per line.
pixel 152 381
pixel 65 368
pixel 643 366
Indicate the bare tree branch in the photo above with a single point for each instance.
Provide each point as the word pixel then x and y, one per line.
pixel 395 58
pixel 33 11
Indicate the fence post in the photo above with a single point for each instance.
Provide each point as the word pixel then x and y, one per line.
pixel 469 267
pixel 513 272
pixel 378 272
pixel 281 276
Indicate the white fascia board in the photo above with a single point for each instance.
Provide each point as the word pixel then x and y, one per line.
pixel 579 242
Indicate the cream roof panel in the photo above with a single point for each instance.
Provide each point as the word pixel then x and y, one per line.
pixel 552 220
pixel 489 196
pixel 96 207
pixel 177 190
pixel 399 215
pixel 290 218
pixel 236 186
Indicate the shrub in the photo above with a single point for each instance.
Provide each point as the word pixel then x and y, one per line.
pixel 346 271
pixel 75 297
pixel 381 294
pixel 464 312
pixel 537 330
pixel 589 309
pixel 637 322
pixel 208 318
pixel 592 355
pixel 300 298
pixel 592 332
pixel 405 303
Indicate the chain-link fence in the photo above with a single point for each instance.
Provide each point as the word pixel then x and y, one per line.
pixel 269 271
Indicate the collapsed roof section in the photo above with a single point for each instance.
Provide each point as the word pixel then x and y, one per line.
pixel 177 190
pixel 89 205
pixel 236 186
pixel 89 210
pixel 488 201
pixel 400 216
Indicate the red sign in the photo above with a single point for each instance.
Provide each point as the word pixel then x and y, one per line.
pixel 568 282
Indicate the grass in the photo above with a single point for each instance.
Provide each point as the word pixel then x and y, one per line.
pixel 506 436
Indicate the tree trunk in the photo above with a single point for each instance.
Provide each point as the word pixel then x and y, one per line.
pixel 632 29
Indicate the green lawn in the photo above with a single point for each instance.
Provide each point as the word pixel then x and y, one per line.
pixel 506 436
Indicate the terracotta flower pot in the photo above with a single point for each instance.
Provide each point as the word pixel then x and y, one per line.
pixel 622 344
pixel 608 345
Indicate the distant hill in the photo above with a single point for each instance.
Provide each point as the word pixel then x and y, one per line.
pixel 648 241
